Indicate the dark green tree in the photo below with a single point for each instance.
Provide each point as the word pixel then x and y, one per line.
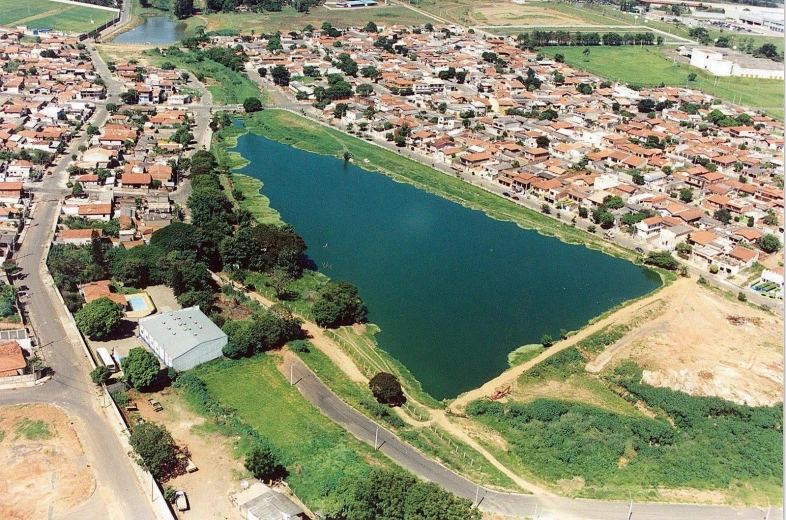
pixel 770 243
pixel 154 447
pixel 262 462
pixel 252 104
pixel 99 318
pixel 387 389
pixel 100 375
pixel 339 304
pixel 140 368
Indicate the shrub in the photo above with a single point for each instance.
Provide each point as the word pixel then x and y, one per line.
pixel 263 463
pixel 154 447
pixel 100 375
pixel 662 259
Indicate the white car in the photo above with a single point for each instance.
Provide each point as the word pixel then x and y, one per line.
pixel 181 501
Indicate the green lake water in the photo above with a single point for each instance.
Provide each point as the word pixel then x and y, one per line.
pixel 453 290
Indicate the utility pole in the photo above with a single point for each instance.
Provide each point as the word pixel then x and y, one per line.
pixel 376 438
pixel 630 507
pixel 291 375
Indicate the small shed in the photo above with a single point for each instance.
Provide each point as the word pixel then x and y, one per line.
pixel 259 502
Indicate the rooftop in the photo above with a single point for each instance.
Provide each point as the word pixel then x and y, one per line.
pixel 180 331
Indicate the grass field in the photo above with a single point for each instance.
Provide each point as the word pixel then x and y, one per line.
pixel 316 451
pixel 290 20
pixel 227 86
pixel 307 135
pixel 649 66
pixel 43 14
pixel 471 12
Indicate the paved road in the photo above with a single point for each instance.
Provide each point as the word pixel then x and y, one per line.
pixel 119 494
pixel 491 501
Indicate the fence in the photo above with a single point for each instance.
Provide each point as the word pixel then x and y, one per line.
pixel 27 378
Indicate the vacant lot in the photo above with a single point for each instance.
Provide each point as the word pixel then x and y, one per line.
pixel 316 452
pixel 695 347
pixel 43 14
pixel 42 466
pixel 290 20
pixel 650 66
pixel 507 13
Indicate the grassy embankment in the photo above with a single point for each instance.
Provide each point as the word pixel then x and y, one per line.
pixel 316 452
pixel 649 66
pixel 589 436
pixel 453 453
pixel 43 14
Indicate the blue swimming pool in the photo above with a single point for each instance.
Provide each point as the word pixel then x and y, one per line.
pixel 137 303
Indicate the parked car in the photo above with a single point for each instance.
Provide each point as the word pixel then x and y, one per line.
pixel 639 250
pixel 514 197
pixel 181 500
pixel 155 404
pixel 505 194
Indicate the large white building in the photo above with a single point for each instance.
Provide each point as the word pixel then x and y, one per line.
pixel 728 63
pixel 182 339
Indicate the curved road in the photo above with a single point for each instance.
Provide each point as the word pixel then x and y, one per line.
pixel 492 501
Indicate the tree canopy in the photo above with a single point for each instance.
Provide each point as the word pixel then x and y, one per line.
pixel 99 318
pixel 386 389
pixel 339 304
pixel 154 447
pixel 140 368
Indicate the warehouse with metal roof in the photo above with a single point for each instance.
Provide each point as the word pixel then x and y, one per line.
pixel 182 339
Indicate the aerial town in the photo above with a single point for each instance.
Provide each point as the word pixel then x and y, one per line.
pixel 215 303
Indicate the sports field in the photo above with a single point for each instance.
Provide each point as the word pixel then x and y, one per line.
pixel 43 14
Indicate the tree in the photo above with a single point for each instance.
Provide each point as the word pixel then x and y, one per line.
pixel 339 304
pixel 364 89
pixel 387 389
pixel 77 190
pixel 768 50
pixel 692 76
pixel 770 243
pixel 262 462
pixel 542 142
pixel 154 447
pixel 546 341
pixel 662 259
pixel 686 194
pixel 371 27
pixel 751 221
pixel 140 368
pixel 183 8
pixel 646 105
pixel 280 75
pixel 130 97
pixel 638 178
pixel 252 104
pixel 340 110
pixel 723 215
pixel 100 375
pixel 614 202
pixel 99 318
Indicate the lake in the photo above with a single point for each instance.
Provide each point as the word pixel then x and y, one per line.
pixel 453 290
pixel 157 30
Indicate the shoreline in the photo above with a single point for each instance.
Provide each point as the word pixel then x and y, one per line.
pixel 227 139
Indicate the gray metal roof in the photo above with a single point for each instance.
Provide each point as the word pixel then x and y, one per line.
pixel 178 332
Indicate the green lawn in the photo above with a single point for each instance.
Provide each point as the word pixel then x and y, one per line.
pixel 307 135
pixel 649 66
pixel 316 451
pixel 43 14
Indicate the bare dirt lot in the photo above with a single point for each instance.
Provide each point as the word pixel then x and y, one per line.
pixel 504 13
pixel 43 469
pixel 219 472
pixel 704 344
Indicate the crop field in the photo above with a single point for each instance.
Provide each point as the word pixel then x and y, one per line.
pixel 649 66
pixel 43 14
